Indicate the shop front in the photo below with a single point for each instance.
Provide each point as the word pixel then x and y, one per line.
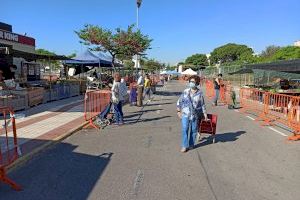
pixel 21 86
pixel 14 50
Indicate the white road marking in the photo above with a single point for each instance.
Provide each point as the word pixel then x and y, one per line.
pixel 236 110
pixel 158 111
pixel 138 182
pixel 273 129
pixel 250 117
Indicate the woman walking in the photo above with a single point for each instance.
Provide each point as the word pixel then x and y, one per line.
pixel 123 93
pixel 117 99
pixel 191 108
pixel 147 86
pixel 133 93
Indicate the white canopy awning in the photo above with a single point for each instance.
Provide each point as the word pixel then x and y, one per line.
pixel 189 72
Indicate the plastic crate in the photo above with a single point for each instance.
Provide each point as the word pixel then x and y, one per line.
pixel 54 94
pixel 35 96
pixel 47 96
pixel 14 102
pixel 64 91
pixel 74 90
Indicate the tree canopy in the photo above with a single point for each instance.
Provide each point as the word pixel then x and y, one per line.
pixel 197 60
pixel 44 52
pixel 128 64
pixel 230 53
pixel 72 55
pixel 269 51
pixel 151 65
pixel 120 43
pixel 287 53
pixel 54 63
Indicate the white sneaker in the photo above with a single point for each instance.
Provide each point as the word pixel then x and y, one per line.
pixel 183 150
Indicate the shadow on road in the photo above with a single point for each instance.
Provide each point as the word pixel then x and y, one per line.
pixel 134 121
pixel 164 93
pixel 71 175
pixel 132 116
pixel 154 100
pixel 157 104
pixel 145 111
pixel 223 137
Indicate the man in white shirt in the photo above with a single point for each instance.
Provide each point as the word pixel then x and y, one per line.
pixel 141 79
pixel 140 89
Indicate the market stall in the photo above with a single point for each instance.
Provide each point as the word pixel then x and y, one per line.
pixel 27 88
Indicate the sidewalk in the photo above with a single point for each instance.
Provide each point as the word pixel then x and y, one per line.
pixel 44 124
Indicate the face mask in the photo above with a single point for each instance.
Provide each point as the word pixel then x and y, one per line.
pixel 192 85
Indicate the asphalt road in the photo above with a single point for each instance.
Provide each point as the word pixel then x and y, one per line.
pixel 142 161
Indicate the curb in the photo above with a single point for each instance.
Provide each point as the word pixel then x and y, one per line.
pixel 23 159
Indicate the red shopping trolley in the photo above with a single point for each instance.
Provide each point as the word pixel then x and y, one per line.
pixel 209 127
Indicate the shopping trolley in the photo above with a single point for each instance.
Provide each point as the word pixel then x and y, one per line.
pixel 208 127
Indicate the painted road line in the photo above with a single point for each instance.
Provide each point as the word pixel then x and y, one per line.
pixel 138 182
pixel 273 129
pixel 250 117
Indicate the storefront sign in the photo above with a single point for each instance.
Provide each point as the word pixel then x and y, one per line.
pixel 13 37
pixel 9 36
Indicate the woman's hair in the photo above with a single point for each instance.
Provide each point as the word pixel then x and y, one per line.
pixel 197 79
pixel 117 77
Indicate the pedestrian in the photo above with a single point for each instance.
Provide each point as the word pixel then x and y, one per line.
pixel 12 72
pixel 123 93
pixel 191 109
pixel 133 93
pixel 117 99
pixel 147 87
pixel 217 86
pixel 140 89
pixel 162 80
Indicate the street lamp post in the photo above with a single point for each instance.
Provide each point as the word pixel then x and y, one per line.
pixel 138 3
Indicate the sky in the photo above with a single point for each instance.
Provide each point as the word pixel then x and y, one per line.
pixel 179 28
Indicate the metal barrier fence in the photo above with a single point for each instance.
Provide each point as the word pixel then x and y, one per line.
pixel 294 118
pixel 252 101
pixel 94 103
pixel 8 145
pixel 272 108
pixel 209 87
pixel 269 108
pixel 225 91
